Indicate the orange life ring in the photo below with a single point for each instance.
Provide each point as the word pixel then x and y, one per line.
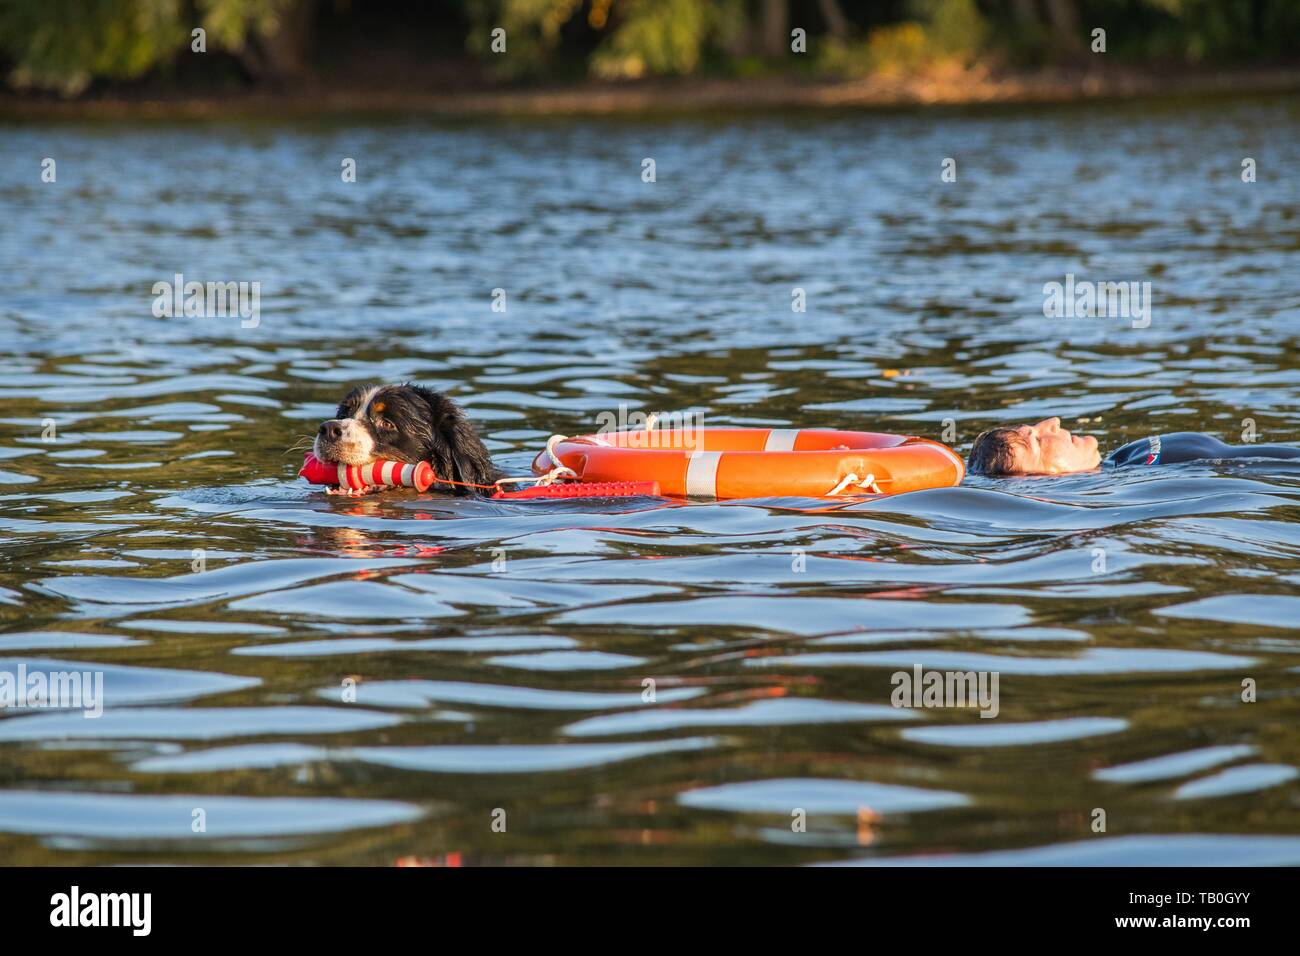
pixel 758 462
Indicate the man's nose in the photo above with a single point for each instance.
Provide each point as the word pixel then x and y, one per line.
pixel 331 430
pixel 1050 424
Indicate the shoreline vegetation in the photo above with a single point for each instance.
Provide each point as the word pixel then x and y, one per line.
pixel 678 96
pixel 176 59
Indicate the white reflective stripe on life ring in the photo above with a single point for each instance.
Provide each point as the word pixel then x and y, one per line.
pixel 781 439
pixel 702 474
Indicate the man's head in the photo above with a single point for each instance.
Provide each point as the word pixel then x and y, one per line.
pixel 1042 449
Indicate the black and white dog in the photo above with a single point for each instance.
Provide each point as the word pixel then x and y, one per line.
pixel 407 423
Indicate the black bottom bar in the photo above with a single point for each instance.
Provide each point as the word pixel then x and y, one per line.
pixel 459 906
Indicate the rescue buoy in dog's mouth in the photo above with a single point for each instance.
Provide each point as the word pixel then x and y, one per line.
pixel 418 475
pixel 758 462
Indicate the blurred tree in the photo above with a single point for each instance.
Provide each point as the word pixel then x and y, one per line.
pixel 942 33
pixel 836 25
pixel 776 28
pixel 657 37
pixel 1064 18
pixel 63 44
pixel 532 32
pixel 272 38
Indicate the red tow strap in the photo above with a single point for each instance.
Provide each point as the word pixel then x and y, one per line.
pixel 585 489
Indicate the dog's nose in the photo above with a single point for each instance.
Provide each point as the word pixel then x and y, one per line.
pixel 331 431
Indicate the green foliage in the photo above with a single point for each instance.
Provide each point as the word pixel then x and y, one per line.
pixel 1221 30
pixel 657 37
pixel 231 22
pixel 632 38
pixel 955 28
pixel 63 44
pixel 944 32
pixel 532 32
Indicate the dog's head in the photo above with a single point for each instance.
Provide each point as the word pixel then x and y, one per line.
pixel 405 423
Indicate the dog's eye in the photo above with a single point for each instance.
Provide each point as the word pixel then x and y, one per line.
pixel 384 424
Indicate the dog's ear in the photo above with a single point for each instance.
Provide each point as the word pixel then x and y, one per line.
pixel 458 452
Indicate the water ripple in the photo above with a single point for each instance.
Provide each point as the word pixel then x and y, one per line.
pixel 356 680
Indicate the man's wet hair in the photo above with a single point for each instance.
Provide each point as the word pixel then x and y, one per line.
pixel 994 452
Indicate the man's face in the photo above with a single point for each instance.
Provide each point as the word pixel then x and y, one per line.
pixel 1052 450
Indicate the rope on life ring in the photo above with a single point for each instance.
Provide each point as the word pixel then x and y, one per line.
pixel 560 470
pixel 552 476
pixel 852 481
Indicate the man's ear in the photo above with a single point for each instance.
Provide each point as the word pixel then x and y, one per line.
pixel 456 441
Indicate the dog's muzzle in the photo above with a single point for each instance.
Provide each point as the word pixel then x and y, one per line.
pixel 345 441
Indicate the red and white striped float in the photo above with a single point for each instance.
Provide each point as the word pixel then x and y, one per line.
pixel 377 474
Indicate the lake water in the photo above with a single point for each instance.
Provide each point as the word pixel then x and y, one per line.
pixel 499 652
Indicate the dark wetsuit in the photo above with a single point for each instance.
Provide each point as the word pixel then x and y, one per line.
pixel 1191 446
